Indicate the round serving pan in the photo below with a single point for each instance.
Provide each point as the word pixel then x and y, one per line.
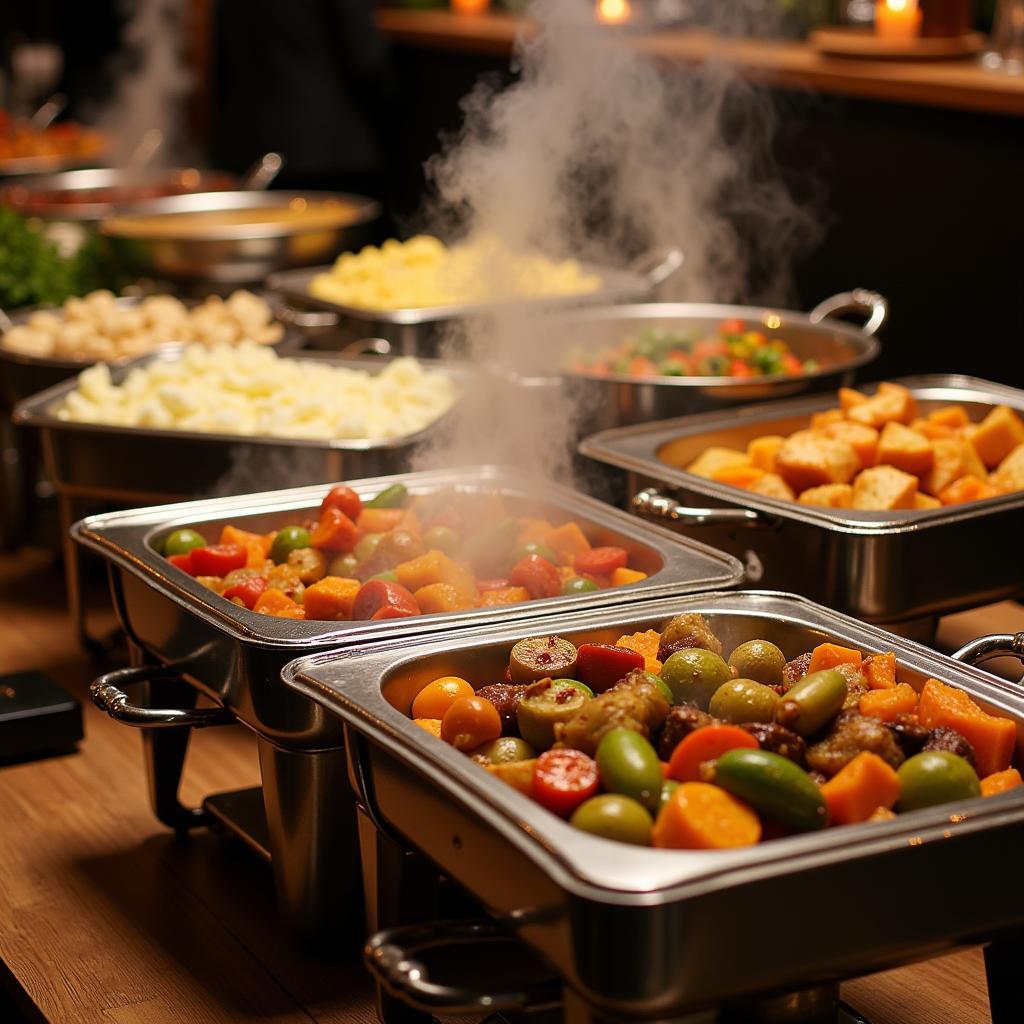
pixel 241 253
pixel 88 196
pixel 617 400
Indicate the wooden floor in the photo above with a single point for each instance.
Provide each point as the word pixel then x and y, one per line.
pixel 107 919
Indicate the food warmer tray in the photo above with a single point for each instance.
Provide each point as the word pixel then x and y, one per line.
pixel 420 330
pixel 189 640
pixel 634 933
pixel 887 567
pixel 91 463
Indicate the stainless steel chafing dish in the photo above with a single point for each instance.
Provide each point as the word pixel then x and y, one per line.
pixel 900 567
pixel 189 640
pixel 630 933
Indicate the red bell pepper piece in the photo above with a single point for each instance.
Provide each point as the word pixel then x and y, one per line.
pixel 345 500
pixel 248 591
pixel 383 599
pixel 218 559
pixel 335 532
pixel 603 665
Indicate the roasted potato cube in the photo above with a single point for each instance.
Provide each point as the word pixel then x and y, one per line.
pixel 905 449
pixel 997 435
pixel 820 420
pixel 891 403
pixel 771 485
pixel 863 439
pixel 950 416
pixel 738 476
pixel 809 458
pixel 848 398
pixel 953 458
pixel 932 430
pixel 762 451
pixel 828 496
pixel 1010 474
pixel 967 488
pixel 714 459
pixel 884 488
pixel 922 501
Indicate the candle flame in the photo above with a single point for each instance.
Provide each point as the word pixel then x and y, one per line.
pixel 900 6
pixel 614 12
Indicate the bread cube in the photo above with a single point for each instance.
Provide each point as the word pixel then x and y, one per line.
pixel 997 435
pixel 820 420
pixel 905 449
pixel 884 488
pixel 771 485
pixel 952 459
pixel 712 459
pixel 762 451
pixel 1010 474
pixel 809 458
pixel 891 403
pixel 828 496
pixel 863 439
pixel 926 501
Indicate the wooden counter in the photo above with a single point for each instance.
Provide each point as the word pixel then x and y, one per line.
pixel 105 918
pixel 957 84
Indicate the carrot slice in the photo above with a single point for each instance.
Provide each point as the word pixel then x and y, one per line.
pixel 705 744
pixel 888 704
pixel 880 670
pixel 1000 782
pixel 829 655
pixel 699 816
pixel 857 790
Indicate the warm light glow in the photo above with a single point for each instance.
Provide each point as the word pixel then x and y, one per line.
pixel 897 19
pixel 470 6
pixel 772 321
pixel 897 5
pixel 613 12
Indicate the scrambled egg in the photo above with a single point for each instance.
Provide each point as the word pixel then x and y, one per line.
pixel 423 272
pixel 249 390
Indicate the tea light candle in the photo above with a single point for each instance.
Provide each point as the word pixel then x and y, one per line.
pixel 613 12
pixel 897 19
pixel 470 6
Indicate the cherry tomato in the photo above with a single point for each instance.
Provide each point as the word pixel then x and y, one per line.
pixel 383 599
pixel 641 366
pixel 470 722
pixel 603 665
pixel 563 779
pixel 732 326
pixel 335 532
pixel 345 500
pixel 538 575
pixel 601 561
pixel 437 697
pixel 218 559
pixel 249 591
pixel 497 584
pixel 739 368
pixel 792 365
pixel 183 562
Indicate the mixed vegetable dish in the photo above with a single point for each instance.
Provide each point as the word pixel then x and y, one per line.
pixel 878 453
pixel 398 555
pixel 733 350
pixel 660 739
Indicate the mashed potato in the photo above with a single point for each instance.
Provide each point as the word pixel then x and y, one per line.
pixel 247 389
pixel 424 272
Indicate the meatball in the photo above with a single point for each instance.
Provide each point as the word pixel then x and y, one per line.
pixel 910 734
pixel 952 741
pixel 681 721
pixel 505 697
pixel 793 671
pixel 779 740
pixel 850 734
pixel 638 706
pixel 686 631
pixel 856 685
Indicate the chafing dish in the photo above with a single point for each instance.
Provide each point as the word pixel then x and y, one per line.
pixel 242 254
pixel 420 331
pixel 891 567
pixel 632 933
pixel 189 641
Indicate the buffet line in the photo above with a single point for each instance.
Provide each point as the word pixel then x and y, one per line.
pixel 618 730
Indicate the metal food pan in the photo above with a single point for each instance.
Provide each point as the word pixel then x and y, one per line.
pixel 891 567
pixel 420 331
pixel 638 933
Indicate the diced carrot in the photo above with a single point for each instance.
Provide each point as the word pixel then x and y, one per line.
pixel 379 520
pixel 859 788
pixel 431 725
pixel 699 816
pixel 435 598
pixel 888 704
pixel 645 644
pixel 277 603
pixel 567 541
pixel 967 488
pixel 950 416
pixel 829 655
pixel 331 598
pixel 233 535
pixel 504 595
pixel 1000 782
pixel 738 476
pixel 880 670
pixel 706 744
pixel 993 738
pixel 623 576
pixel 881 814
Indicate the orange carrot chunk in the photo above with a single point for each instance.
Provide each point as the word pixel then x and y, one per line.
pixel 699 816
pixel 855 792
pixel 567 541
pixel 1000 782
pixel 705 744
pixel 880 670
pixel 888 704
pixel 275 602
pixel 829 655
pixel 331 598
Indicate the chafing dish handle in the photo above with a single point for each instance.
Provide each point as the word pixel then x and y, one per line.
pixel 998 645
pixel 391 955
pixel 658 267
pixel 649 504
pixel 859 300
pixel 305 319
pixel 108 696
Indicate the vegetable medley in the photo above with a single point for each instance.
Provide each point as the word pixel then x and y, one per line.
pixel 731 351
pixel 396 555
pixel 876 453
pixel 659 740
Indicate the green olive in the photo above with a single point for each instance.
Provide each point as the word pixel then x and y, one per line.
pixel 744 700
pixel 367 545
pixel 578 585
pixel 668 787
pixel 935 777
pixel 656 681
pixel 629 765
pixel 544 704
pixel 441 538
pixel 287 540
pixel 534 548
pixel 759 660
pixel 343 565
pixel 505 750
pixel 694 675
pixel 181 542
pixel 813 702
pixel 614 816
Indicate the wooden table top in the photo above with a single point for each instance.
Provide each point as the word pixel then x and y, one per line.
pixel 105 918
pixel 954 84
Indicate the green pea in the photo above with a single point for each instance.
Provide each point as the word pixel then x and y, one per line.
pixel 744 700
pixel 935 777
pixel 578 585
pixel 694 675
pixel 391 497
pixel 629 765
pixel 813 702
pixel 287 540
pixel 443 538
pixel 614 816
pixel 181 542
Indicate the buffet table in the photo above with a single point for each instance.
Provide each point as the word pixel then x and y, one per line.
pixel 109 918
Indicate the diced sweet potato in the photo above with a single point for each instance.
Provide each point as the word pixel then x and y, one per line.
pixel 880 671
pixel 738 476
pixel 863 439
pixel 331 598
pixel 860 788
pixel 771 485
pixel 926 501
pixel 436 598
pixel 277 603
pixel 891 403
pixel 532 530
pixel 567 541
pixel 967 488
pixel 809 459
pixel 762 451
pixel 953 458
pixel 848 398
pixel 828 496
pixel 997 435
pixel 716 458
pixel 1001 782
pixel 905 449
pixel 1010 474
pixel 623 576
pixel 950 416
pixel 503 596
pixel 820 420
pixel 884 488
pixel 933 431
pixel 887 705
pixel 828 655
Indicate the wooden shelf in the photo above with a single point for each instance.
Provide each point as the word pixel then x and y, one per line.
pixel 952 84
